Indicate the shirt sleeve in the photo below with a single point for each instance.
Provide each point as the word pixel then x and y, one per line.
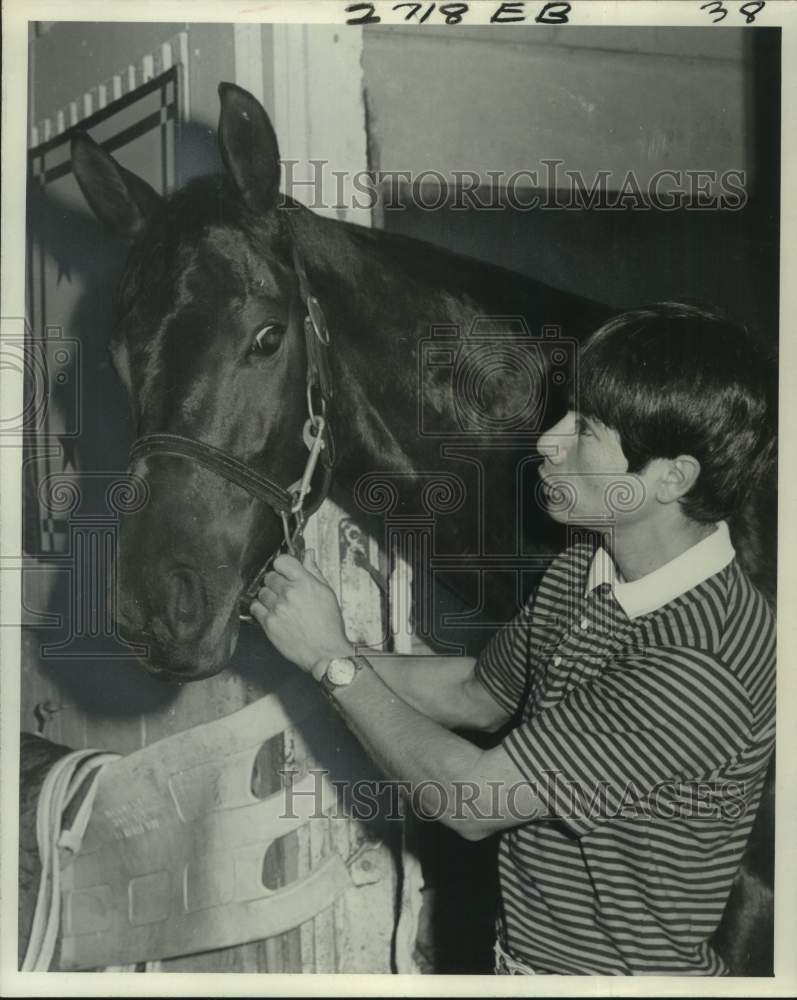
pixel 661 716
pixel 502 664
pixel 512 657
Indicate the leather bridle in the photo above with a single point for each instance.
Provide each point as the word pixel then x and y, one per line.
pixel 289 503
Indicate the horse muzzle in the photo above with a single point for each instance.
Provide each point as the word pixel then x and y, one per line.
pixel 182 640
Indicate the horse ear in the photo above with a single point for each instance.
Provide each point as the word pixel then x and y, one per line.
pixel 120 199
pixel 249 147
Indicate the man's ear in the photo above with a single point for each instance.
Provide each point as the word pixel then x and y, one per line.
pixel 677 477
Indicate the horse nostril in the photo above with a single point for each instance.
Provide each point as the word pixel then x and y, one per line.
pixel 185 603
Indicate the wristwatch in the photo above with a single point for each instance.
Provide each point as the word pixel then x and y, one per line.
pixel 339 672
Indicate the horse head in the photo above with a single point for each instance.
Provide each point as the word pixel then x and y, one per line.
pixel 220 345
pixel 209 344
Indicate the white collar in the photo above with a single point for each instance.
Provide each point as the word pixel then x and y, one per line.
pixel 654 590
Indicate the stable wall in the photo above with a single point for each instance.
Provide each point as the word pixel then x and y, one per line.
pixel 599 99
pixel 617 100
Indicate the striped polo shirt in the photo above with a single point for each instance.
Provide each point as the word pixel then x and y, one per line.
pixel 646 730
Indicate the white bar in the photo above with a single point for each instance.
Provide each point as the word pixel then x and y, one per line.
pixel 180 46
pixel 401 606
pixel 167 56
pixel 305 61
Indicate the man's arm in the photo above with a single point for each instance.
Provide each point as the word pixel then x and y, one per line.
pixel 474 792
pixel 445 688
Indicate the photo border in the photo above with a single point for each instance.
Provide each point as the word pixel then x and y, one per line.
pixel 15 127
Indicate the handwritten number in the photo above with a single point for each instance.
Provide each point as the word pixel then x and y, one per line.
pixel 453 12
pixel 551 13
pixel 413 10
pixel 715 7
pixel 367 12
pixel 750 10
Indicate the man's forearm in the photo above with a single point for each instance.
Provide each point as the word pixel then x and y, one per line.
pixel 441 687
pixel 409 746
pixel 405 741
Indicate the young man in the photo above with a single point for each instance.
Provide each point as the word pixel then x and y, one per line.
pixel 640 676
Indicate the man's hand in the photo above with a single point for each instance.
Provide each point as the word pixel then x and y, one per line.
pixel 298 611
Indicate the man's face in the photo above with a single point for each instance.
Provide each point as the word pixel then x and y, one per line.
pixel 585 474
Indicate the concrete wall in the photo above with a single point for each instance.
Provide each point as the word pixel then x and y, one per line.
pixel 599 99
pixel 621 100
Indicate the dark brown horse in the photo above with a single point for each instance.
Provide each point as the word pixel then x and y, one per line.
pixel 212 346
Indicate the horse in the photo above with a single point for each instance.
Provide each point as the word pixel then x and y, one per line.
pixel 259 343
pixel 211 347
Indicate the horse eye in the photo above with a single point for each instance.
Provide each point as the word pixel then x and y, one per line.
pixel 267 339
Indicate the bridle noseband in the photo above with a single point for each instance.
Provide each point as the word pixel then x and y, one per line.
pixel 290 504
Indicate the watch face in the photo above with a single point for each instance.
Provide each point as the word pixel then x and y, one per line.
pixel 340 671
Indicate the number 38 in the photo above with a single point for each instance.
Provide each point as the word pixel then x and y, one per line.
pixel 748 10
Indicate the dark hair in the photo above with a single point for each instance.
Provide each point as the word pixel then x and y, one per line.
pixel 675 379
